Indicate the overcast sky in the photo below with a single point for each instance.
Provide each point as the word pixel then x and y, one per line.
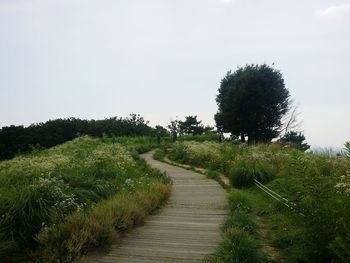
pixel 165 58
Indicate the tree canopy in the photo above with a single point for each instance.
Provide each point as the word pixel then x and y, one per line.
pixel 295 139
pixel 192 126
pixel 20 139
pixel 174 129
pixel 252 101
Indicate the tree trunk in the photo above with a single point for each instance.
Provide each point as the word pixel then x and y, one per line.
pixel 242 137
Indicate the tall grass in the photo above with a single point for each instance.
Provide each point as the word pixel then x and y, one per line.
pixel 317 184
pixel 240 242
pixel 100 225
pixel 45 190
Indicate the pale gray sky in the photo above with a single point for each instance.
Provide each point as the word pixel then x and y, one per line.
pixel 165 58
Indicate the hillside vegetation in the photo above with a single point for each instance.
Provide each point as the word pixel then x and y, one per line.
pixel 314 227
pixel 15 140
pixel 55 204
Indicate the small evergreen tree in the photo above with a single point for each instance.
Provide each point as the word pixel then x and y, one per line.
pixel 295 139
pixel 192 126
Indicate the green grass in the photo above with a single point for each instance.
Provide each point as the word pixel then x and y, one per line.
pixel 79 181
pixel 240 241
pixel 100 225
pixel 160 153
pixel 317 228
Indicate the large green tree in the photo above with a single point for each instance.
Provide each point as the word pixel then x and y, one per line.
pixel 252 100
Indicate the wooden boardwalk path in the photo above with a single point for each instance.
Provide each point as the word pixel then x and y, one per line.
pixel 185 230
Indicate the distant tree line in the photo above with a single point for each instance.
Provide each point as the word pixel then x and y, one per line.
pixel 19 139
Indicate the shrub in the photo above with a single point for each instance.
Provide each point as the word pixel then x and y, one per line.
pixel 243 221
pixel 179 153
pixel 238 246
pixel 210 136
pixel 245 172
pixel 51 187
pixel 159 154
pixel 317 185
pixel 102 224
pixel 238 201
pixel 241 177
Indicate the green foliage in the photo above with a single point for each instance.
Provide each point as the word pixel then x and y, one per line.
pixel 159 154
pixel 174 129
pixel 240 243
pixel 192 126
pixel 179 154
pixel 210 136
pixel 161 131
pixel 246 171
pixel 239 202
pixel 347 149
pixel 195 153
pixel 251 102
pixel 141 144
pixel 19 139
pixel 296 140
pixel 317 229
pixel 243 221
pixel 41 190
pixel 190 129
pixel 241 177
pixel 340 247
pixel 238 246
pixel 100 225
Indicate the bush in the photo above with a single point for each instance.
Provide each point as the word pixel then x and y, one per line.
pixel 243 221
pixel 100 225
pixel 244 173
pixel 46 188
pixel 241 177
pixel 159 154
pixel 179 153
pixel 238 246
pixel 317 185
pixel 210 136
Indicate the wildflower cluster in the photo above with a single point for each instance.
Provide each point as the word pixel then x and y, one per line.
pixel 40 191
pixel 344 185
pixel 55 191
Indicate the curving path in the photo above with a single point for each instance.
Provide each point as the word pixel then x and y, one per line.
pixel 185 230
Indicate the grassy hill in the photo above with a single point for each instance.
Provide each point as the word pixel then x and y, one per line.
pixel 55 204
pixel 311 225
